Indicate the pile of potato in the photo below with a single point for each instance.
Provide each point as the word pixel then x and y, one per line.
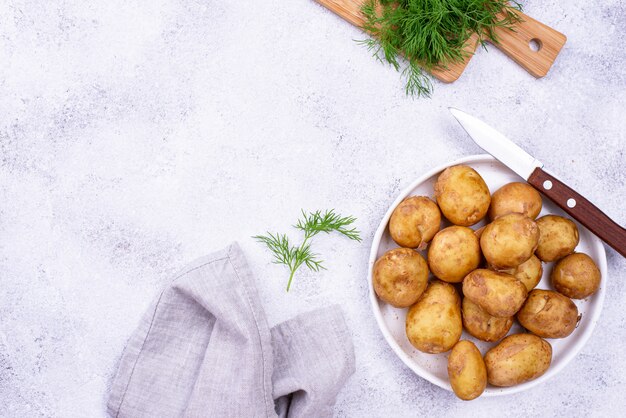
pixel 484 279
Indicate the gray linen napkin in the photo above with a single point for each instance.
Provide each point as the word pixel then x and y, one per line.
pixel 204 349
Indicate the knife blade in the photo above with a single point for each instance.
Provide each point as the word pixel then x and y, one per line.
pixel 531 169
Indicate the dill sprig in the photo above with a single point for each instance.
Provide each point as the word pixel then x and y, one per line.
pixel 329 221
pixel 312 223
pixel 431 34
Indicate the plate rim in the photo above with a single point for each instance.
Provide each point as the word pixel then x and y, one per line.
pixel 421 372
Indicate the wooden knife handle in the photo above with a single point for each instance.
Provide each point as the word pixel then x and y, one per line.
pixel 580 209
pixel 516 44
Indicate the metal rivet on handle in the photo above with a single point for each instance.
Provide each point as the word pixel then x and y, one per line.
pixel 547 184
pixel 571 203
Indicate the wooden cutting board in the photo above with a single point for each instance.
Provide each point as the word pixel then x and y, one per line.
pixel 516 44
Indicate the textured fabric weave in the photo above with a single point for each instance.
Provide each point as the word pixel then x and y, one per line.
pixel 204 349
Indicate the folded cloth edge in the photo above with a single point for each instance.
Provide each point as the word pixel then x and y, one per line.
pixel 296 336
pixel 243 275
pixel 242 269
pixel 123 376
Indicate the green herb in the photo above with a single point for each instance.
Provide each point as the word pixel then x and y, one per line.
pixel 311 224
pixel 431 34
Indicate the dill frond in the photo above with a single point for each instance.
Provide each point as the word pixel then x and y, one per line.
pixel 430 33
pixel 315 222
pixel 311 224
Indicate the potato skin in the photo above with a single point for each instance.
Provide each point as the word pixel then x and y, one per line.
pixel 517 359
pixel 467 371
pixel 462 195
pixel 433 323
pixel 548 314
pixel 453 253
pixel 509 241
pixel 481 325
pixel 515 198
pixel 576 276
pixel 498 294
pixel 414 221
pixel 400 277
pixel 558 237
pixel 529 272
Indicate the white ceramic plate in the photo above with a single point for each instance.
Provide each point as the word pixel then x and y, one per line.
pixel 433 367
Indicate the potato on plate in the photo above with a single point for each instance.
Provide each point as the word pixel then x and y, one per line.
pixel 433 323
pixel 509 241
pixel 517 359
pixel 558 237
pixel 453 253
pixel 548 314
pixel 576 276
pixel 414 222
pixel 515 198
pixel 498 294
pixel 462 195
pixel 400 277
pixel 466 370
pixel 529 272
pixel 481 325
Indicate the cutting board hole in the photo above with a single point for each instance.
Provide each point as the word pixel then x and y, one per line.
pixel 535 45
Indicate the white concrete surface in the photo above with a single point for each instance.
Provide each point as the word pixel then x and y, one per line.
pixel 138 135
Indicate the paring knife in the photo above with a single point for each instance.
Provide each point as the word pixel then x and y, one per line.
pixel 530 169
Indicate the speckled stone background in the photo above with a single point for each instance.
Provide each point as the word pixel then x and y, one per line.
pixel 136 136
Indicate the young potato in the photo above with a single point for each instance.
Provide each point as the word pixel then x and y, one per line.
pixel 467 371
pixel 517 359
pixel 529 272
pixel 481 325
pixel 515 198
pixel 453 253
pixel 414 222
pixel 462 195
pixel 400 277
pixel 576 276
pixel 509 241
pixel 558 237
pixel 548 314
pixel 498 294
pixel 433 323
